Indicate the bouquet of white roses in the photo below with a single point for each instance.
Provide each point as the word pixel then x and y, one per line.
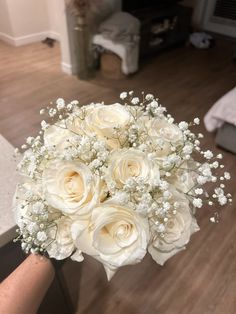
pixel 114 182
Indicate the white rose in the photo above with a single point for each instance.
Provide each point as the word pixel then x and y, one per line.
pixel 178 229
pixel 164 135
pixel 162 128
pixel 56 136
pixel 70 187
pixel 184 179
pixel 116 236
pixel 63 245
pixel 101 120
pixel 127 163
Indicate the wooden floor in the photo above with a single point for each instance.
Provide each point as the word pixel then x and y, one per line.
pixel 200 280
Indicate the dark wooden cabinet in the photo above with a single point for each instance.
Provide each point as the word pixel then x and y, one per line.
pixel 163 27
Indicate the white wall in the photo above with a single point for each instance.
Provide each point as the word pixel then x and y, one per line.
pixel 54 9
pixel 25 21
pixel 5 23
pixel 28 16
pixel 68 49
pixel 28 20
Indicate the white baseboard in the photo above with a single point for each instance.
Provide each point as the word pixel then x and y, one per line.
pixel 69 68
pixel 8 39
pixel 28 39
pixel 53 35
pixel 66 68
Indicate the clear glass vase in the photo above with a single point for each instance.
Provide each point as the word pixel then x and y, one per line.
pixel 84 54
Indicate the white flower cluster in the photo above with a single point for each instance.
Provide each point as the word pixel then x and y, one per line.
pixel 36 220
pixel 115 182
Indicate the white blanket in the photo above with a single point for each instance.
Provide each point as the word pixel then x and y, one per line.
pixel 120 27
pixel 129 53
pixel 120 34
pixel 224 110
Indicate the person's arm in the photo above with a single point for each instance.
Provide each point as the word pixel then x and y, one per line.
pixel 23 290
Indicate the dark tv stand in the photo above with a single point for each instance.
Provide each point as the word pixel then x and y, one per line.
pixel 162 27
